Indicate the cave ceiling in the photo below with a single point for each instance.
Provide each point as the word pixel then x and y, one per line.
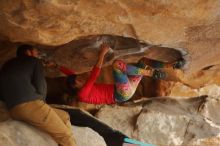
pixel 193 25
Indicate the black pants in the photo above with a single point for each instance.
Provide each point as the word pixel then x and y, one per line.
pixel 111 136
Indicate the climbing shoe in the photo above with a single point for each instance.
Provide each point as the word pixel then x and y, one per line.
pixel 158 74
pixel 179 64
pixel 134 142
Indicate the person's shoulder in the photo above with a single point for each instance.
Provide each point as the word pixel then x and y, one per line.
pixel 31 59
pixel 26 58
pixel 21 60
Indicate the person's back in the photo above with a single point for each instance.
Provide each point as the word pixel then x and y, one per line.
pixel 22 80
pixel 23 88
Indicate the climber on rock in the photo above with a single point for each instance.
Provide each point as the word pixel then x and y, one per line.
pixel 126 79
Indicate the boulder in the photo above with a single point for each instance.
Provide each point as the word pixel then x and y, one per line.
pixel 167 122
pixel 120 117
pixel 15 133
pixel 191 24
pixel 174 122
pixel 56 22
pixel 87 137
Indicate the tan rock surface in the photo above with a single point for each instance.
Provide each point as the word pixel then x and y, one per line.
pixel 17 133
pixel 192 24
pixel 14 133
pixel 56 22
pixel 87 137
pixel 120 118
pixel 168 122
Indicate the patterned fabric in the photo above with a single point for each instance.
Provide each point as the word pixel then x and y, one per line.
pixel 127 78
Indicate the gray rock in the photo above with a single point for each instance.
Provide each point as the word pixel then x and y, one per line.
pixel 120 118
pixel 164 122
pixel 15 133
pixel 161 128
pixel 210 110
pixel 87 137
pixel 173 122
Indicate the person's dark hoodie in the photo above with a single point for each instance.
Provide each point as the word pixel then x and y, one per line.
pixel 22 80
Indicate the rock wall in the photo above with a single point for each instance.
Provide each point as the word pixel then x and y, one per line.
pixel 54 26
pixel 55 22
pixel 192 24
pixel 168 122
pixel 17 133
pixel 14 133
pixel 161 121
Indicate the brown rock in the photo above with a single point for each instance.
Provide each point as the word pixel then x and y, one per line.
pixel 167 122
pixel 14 133
pixel 4 114
pixel 124 117
pixel 193 25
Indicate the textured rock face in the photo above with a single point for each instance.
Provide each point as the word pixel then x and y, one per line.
pixel 183 91
pixel 57 22
pixel 7 51
pixel 87 137
pixel 159 123
pixel 14 133
pixel 192 24
pixel 124 117
pixel 169 122
pixel 82 54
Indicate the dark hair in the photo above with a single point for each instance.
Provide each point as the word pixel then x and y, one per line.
pixel 69 82
pixel 22 49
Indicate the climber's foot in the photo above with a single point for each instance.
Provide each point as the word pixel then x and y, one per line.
pixel 158 74
pixel 179 64
pixel 128 144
